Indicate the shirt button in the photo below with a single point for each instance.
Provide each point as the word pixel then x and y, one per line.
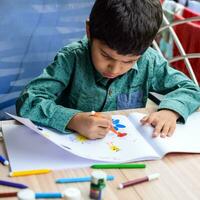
pixel 110 92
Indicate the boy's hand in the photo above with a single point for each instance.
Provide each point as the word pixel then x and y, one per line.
pixel 92 127
pixel 163 121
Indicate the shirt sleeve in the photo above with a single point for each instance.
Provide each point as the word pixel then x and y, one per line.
pixel 38 100
pixel 181 94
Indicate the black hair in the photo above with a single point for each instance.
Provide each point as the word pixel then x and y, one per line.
pixel 126 26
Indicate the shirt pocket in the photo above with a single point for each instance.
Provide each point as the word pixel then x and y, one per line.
pixel 133 99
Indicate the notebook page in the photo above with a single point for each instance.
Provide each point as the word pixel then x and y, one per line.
pixel 186 138
pixel 125 147
pixel 28 150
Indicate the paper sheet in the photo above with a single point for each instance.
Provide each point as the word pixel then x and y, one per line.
pixel 28 150
pixel 47 148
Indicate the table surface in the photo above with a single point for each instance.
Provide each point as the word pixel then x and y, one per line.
pixel 179 178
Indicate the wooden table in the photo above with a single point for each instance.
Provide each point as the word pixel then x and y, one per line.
pixel 179 178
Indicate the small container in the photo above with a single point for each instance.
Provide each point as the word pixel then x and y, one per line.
pixel 97 185
pixel 72 194
pixel 26 194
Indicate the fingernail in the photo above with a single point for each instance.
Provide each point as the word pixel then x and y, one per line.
pixel 155 134
pixel 163 135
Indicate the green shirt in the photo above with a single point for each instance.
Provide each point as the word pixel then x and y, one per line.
pixel 71 84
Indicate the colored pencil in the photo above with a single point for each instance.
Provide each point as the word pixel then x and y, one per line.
pixel 12 184
pixel 48 195
pixel 37 195
pixel 112 129
pixel 8 194
pixel 3 160
pixel 29 172
pixel 80 179
pixel 138 181
pixel 118 166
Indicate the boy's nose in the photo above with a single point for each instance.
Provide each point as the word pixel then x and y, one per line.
pixel 114 67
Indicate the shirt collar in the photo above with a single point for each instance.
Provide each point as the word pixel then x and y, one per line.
pixel 135 66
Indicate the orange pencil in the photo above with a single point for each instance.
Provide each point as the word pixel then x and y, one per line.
pixel 119 134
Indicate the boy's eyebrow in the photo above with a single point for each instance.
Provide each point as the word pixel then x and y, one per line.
pixel 116 59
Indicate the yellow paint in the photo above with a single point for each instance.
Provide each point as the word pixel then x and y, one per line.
pixel 45 134
pixel 81 138
pixel 113 147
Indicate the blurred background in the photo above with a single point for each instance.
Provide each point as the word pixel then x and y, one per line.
pixel 31 32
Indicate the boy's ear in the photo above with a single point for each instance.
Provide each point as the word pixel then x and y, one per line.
pixel 87 27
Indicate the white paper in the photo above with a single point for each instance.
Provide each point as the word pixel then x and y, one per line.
pixel 109 149
pixel 39 147
pixel 186 138
pixel 27 150
pixel 26 122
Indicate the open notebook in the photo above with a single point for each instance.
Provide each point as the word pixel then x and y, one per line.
pixel 131 142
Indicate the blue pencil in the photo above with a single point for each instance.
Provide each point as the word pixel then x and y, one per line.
pixel 48 195
pixel 79 179
pixel 3 160
pixel 11 184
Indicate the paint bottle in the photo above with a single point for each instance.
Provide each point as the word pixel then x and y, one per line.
pixel 26 194
pixel 72 194
pixel 97 185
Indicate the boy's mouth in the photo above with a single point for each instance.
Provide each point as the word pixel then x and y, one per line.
pixel 109 75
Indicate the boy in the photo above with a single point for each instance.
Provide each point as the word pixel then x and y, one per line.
pixel 113 68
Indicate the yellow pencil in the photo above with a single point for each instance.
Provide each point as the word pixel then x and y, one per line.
pixel 29 172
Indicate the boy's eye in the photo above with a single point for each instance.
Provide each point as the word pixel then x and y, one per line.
pixel 109 58
pixel 129 62
pixel 105 56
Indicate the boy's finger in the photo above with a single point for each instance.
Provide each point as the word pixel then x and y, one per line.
pixel 151 120
pixel 165 130
pixel 99 136
pixel 157 129
pixel 144 120
pixel 109 117
pixel 171 131
pixel 103 122
pixel 102 131
pixel 105 116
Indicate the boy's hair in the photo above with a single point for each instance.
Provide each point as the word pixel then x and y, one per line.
pixel 126 26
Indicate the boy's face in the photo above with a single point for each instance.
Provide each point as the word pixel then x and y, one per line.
pixel 108 62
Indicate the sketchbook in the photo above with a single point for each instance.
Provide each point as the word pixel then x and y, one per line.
pixel 130 142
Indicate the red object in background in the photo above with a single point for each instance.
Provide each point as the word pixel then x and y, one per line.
pixel 189 36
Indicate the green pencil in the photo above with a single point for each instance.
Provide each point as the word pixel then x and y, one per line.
pixel 118 166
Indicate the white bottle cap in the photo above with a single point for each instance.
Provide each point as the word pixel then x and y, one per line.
pixel 26 194
pixel 72 194
pixel 96 175
pixel 153 176
pixel 6 162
